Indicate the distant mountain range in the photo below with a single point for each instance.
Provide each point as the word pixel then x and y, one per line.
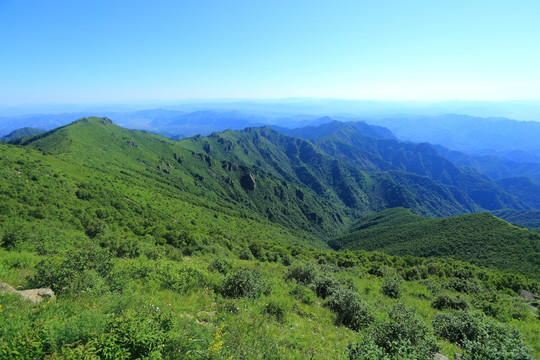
pixel 19 133
pixel 511 139
pixel 507 139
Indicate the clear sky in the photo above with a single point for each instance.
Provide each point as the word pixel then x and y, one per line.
pixel 92 51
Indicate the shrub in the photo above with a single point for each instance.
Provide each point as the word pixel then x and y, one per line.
pixel 368 350
pixel 499 348
pixel 404 333
pixel 243 282
pixel 139 333
pixel 246 254
pixel 459 326
pixel 445 301
pixel 482 337
pixel 221 265
pixel 303 273
pixel 391 287
pixel 170 275
pixel 325 285
pixel 82 270
pixel 468 286
pixel 351 310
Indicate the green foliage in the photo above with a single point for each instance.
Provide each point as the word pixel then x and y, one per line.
pixel 481 239
pixel 326 285
pixel 481 337
pixel 165 274
pixel 350 309
pixel 303 273
pixel 402 336
pixel 244 282
pixel 402 332
pixel 303 294
pixel 87 269
pixel 458 327
pixel 391 287
pixel 446 301
pixel 276 307
pixel 221 265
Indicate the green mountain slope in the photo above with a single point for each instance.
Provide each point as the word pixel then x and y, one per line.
pixel 155 172
pixel 390 217
pixel 522 187
pixel 530 219
pixel 348 142
pixel 300 161
pixel 481 239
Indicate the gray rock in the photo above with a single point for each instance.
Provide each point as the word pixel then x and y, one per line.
pixel 438 356
pixel 34 295
pixel 527 295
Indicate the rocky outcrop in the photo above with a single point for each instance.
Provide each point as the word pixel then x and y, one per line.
pixel 248 181
pixel 527 295
pixel 34 295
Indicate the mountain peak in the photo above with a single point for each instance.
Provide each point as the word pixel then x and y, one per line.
pixel 94 120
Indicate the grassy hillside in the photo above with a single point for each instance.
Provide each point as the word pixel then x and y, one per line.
pixel 193 176
pixel 390 217
pixel 157 249
pixel 481 239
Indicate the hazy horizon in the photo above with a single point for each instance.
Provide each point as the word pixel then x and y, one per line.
pixel 517 110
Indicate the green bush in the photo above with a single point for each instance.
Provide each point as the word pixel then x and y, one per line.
pixel 404 333
pixel 132 334
pixel 446 301
pixel 351 310
pixel 391 287
pixel 171 275
pixel 468 286
pixel 368 350
pixel 243 282
pixel 482 337
pixel 325 285
pixel 501 307
pixel 459 326
pixel 303 273
pixel 221 265
pixel 497 348
pixel 87 269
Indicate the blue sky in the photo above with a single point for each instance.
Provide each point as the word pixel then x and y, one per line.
pixel 115 51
